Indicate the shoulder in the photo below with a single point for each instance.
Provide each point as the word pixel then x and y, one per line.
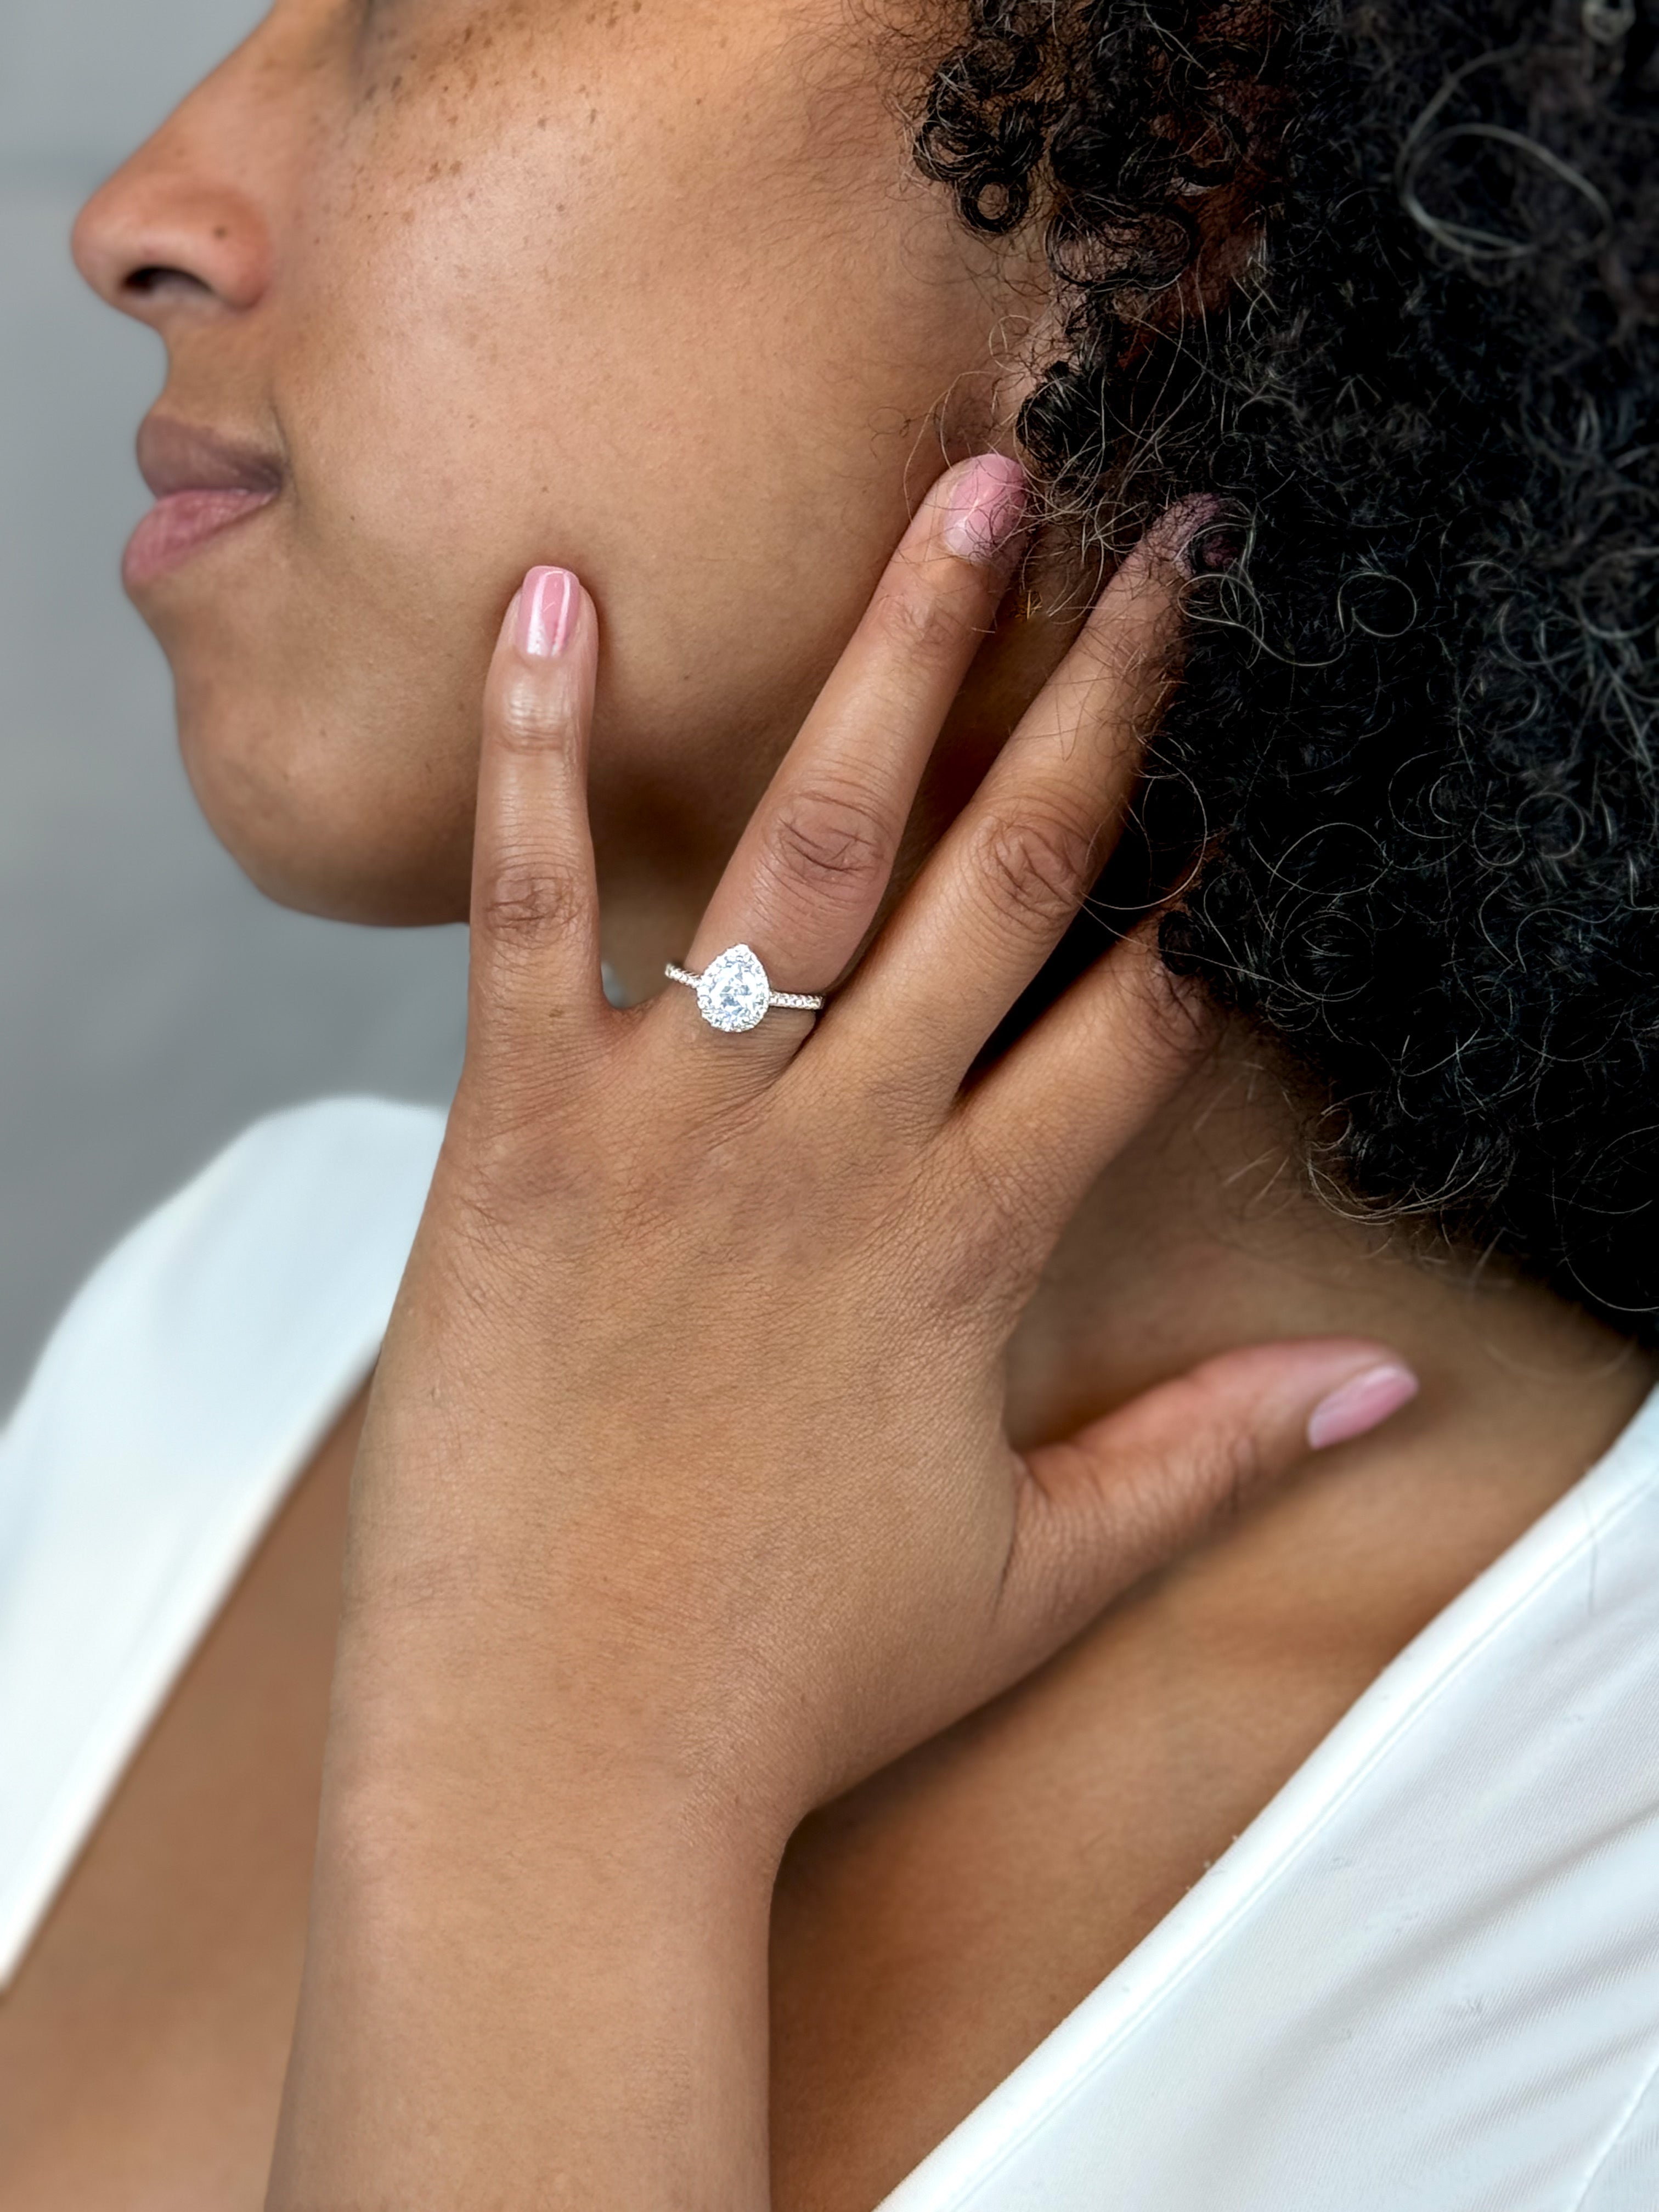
pixel 185 1387
pixel 306 1218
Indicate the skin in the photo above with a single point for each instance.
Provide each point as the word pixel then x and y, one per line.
pixel 918 1825
pixel 479 276
pixel 557 1794
pixel 143 2046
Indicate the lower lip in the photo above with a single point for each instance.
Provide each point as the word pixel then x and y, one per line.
pixel 181 524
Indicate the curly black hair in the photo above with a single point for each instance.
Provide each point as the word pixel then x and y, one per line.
pixel 1383 276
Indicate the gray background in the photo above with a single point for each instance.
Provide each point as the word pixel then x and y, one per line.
pixel 151 1004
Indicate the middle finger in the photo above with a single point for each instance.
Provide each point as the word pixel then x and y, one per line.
pixel 1006 882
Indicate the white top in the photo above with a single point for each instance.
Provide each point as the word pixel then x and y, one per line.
pixel 187 1387
pixel 1427 1975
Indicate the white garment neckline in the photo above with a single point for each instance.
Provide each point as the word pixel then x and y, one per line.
pixel 1561 1556
pixel 184 1391
pixel 1426 1973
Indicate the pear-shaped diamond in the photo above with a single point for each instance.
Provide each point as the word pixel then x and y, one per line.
pixel 733 993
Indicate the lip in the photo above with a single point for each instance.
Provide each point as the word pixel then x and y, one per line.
pixel 205 484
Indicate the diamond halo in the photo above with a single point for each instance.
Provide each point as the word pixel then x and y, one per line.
pixel 734 991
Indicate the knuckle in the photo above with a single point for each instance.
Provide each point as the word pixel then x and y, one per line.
pixel 1221 1457
pixel 522 909
pixel 1001 1204
pixel 530 718
pixel 998 1188
pixel 900 1101
pixel 918 621
pixel 513 1161
pixel 1038 867
pixel 1227 1468
pixel 831 842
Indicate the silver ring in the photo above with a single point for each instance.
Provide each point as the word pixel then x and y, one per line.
pixel 734 991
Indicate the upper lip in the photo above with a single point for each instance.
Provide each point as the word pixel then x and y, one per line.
pixel 175 456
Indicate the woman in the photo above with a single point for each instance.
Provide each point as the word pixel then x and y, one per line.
pixel 798 1644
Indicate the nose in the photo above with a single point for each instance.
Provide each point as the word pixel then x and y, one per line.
pixel 174 231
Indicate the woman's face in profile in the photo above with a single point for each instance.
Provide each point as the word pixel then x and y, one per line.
pixel 644 288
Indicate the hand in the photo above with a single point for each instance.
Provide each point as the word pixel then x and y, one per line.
pixel 704 1334
pixel 685 1497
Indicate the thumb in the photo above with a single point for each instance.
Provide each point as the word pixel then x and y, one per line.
pixel 1104 1508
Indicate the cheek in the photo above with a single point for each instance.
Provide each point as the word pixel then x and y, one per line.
pixel 657 341
pixel 672 333
pixel 631 301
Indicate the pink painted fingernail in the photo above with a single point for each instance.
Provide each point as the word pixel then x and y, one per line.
pixel 1360 1405
pixel 547 612
pixel 988 506
pixel 1182 533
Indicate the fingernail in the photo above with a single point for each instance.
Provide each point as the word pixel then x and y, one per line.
pixel 1361 1404
pixel 1181 531
pixel 1215 550
pixel 987 507
pixel 547 612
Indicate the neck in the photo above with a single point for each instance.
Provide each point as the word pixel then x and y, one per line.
pixel 1207 1234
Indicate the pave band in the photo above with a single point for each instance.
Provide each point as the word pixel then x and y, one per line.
pixel 734 992
pixel 803 1002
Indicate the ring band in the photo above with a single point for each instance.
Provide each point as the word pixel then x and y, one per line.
pixel 734 991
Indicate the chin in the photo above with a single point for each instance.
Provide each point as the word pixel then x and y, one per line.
pixel 325 819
